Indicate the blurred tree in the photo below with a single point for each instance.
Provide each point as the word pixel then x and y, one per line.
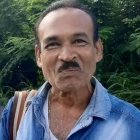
pixel 119 30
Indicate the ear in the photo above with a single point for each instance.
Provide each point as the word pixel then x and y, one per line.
pixel 38 55
pixel 99 50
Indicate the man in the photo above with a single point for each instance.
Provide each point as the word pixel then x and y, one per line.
pixel 72 105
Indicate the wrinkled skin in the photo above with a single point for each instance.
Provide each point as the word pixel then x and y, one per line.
pixel 65 36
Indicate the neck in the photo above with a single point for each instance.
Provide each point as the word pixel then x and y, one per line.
pixel 72 98
pixel 66 108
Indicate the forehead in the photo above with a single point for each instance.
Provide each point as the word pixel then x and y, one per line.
pixel 65 21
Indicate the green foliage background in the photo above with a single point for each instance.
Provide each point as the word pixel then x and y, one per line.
pixel 119 22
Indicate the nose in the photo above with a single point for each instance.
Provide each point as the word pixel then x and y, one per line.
pixel 67 54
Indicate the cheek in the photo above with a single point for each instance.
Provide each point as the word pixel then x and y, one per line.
pixel 90 62
pixel 48 66
pixel 45 65
pixel 89 56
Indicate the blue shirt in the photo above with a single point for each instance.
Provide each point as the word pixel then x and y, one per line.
pixel 105 118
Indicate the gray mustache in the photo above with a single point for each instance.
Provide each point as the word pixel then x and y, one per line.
pixel 67 65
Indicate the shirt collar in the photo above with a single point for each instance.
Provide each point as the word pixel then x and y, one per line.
pixel 99 106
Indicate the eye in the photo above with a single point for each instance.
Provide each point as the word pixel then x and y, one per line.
pixel 52 45
pixel 80 42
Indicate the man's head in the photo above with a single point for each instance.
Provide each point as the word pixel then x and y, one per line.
pixel 67 51
pixel 68 4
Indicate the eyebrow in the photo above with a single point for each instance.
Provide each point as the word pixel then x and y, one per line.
pixel 82 34
pixel 56 38
pixel 51 38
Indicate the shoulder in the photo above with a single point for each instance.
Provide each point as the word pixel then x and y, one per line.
pixel 125 109
pixel 7 110
pixel 5 120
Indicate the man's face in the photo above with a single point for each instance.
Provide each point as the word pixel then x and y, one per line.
pixel 68 54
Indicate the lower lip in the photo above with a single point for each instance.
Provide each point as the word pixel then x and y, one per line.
pixel 72 69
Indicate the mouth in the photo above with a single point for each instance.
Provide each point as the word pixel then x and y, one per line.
pixel 71 69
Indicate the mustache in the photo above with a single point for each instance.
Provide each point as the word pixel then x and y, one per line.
pixel 67 65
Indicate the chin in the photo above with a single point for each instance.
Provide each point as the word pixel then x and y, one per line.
pixel 69 85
